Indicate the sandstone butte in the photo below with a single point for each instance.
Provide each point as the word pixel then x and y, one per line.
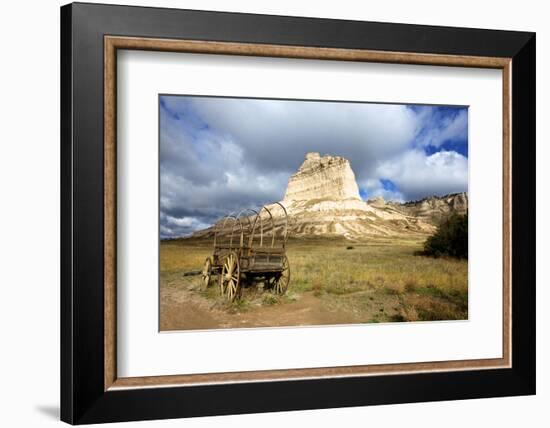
pixel 322 177
pixel 322 199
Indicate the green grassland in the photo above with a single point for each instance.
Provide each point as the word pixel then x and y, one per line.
pixel 375 281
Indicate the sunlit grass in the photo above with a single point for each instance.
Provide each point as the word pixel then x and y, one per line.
pixel 357 275
pixel 181 256
pixel 388 267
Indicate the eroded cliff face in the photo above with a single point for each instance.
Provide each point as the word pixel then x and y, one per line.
pixel 322 177
pixel 322 199
pixel 436 209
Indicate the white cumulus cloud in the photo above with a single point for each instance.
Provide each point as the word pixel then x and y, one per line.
pixel 417 175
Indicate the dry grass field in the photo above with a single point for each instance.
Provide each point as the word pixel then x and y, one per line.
pixel 332 281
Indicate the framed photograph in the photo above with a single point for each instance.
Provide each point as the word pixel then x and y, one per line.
pixel 266 213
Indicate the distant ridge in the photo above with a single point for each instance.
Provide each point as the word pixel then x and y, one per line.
pixel 435 209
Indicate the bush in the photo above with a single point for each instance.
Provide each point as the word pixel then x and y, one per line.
pixel 450 239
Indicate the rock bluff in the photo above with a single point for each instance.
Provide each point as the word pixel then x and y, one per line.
pixel 322 177
pixel 322 199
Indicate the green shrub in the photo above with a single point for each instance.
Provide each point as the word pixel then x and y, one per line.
pixel 450 239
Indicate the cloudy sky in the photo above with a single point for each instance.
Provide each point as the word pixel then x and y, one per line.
pixel 219 155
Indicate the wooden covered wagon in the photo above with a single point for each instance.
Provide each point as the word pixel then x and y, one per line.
pixel 250 246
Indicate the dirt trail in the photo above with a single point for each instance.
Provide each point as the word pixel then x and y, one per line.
pixel 185 307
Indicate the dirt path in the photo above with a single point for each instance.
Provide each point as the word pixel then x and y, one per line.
pixel 185 307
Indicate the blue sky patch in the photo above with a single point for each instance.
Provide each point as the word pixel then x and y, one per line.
pixel 388 185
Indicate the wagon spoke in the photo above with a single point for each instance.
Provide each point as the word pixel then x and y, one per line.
pixel 230 289
pixel 280 282
pixel 206 273
pixel 230 277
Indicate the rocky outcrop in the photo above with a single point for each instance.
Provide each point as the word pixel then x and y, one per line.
pixel 377 202
pixel 435 209
pixel 322 199
pixel 322 177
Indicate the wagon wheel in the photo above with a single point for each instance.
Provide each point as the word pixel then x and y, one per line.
pixel 206 273
pixel 230 278
pixel 280 282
